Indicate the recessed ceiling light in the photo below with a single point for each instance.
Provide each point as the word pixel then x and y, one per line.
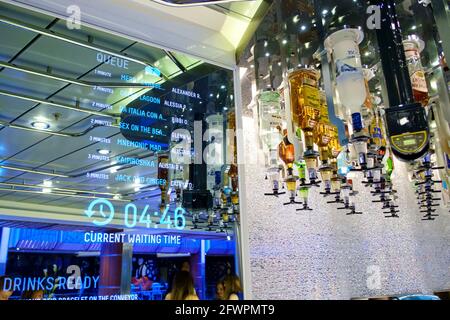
pixel 324 12
pixel 303 28
pixel 104 151
pixel 47 183
pixel 40 125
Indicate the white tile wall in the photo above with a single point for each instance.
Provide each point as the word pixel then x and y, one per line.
pixel 324 254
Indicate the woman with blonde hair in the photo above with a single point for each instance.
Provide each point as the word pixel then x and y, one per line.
pixel 182 287
pixel 232 286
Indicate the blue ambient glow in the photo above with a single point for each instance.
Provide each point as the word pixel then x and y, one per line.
pixel 131 213
pixel 152 71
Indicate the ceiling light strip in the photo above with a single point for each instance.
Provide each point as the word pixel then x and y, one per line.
pixel 71 40
pixel 71 80
pixel 35 171
pixel 61 194
pixel 5 124
pixel 56 188
pixel 54 104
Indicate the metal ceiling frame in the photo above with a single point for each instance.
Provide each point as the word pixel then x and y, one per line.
pixel 204 3
pixel 58 105
pixel 61 134
pixel 74 192
pixel 40 186
pixel 77 42
pixel 62 175
pixel 13 189
pixel 72 80
pixel 39 172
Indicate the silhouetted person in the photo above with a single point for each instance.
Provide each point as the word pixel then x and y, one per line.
pixel 182 287
pixel 232 286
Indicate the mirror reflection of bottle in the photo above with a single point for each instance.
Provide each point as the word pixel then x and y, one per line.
pixel 413 47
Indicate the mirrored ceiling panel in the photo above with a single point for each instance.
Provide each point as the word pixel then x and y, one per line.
pixel 91 119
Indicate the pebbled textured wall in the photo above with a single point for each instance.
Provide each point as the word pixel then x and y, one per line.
pixel 324 254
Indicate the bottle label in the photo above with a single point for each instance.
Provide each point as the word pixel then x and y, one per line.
pixel 325 140
pixel 342 67
pixel 311 123
pixel 419 82
pixel 376 133
pixel 311 97
pixel 412 54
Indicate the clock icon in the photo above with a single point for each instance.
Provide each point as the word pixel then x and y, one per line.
pixel 105 208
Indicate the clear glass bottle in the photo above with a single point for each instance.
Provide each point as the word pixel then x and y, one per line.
pixel 270 123
pixel 413 47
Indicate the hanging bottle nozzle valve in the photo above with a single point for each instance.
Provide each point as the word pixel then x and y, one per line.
pixel 305 109
pixel 303 187
pixel 326 138
pixel 287 155
pixel 270 126
pixel 350 83
pixel 413 47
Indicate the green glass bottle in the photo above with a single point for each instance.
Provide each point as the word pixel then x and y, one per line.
pixel 389 168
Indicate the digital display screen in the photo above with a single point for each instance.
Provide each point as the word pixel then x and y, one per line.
pixel 409 142
pixel 115 143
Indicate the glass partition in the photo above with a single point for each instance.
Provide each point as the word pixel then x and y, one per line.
pixel 117 165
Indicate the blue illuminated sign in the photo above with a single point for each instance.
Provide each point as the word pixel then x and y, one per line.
pixel 101 203
pixel 49 283
pixel 153 71
pixel 131 213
